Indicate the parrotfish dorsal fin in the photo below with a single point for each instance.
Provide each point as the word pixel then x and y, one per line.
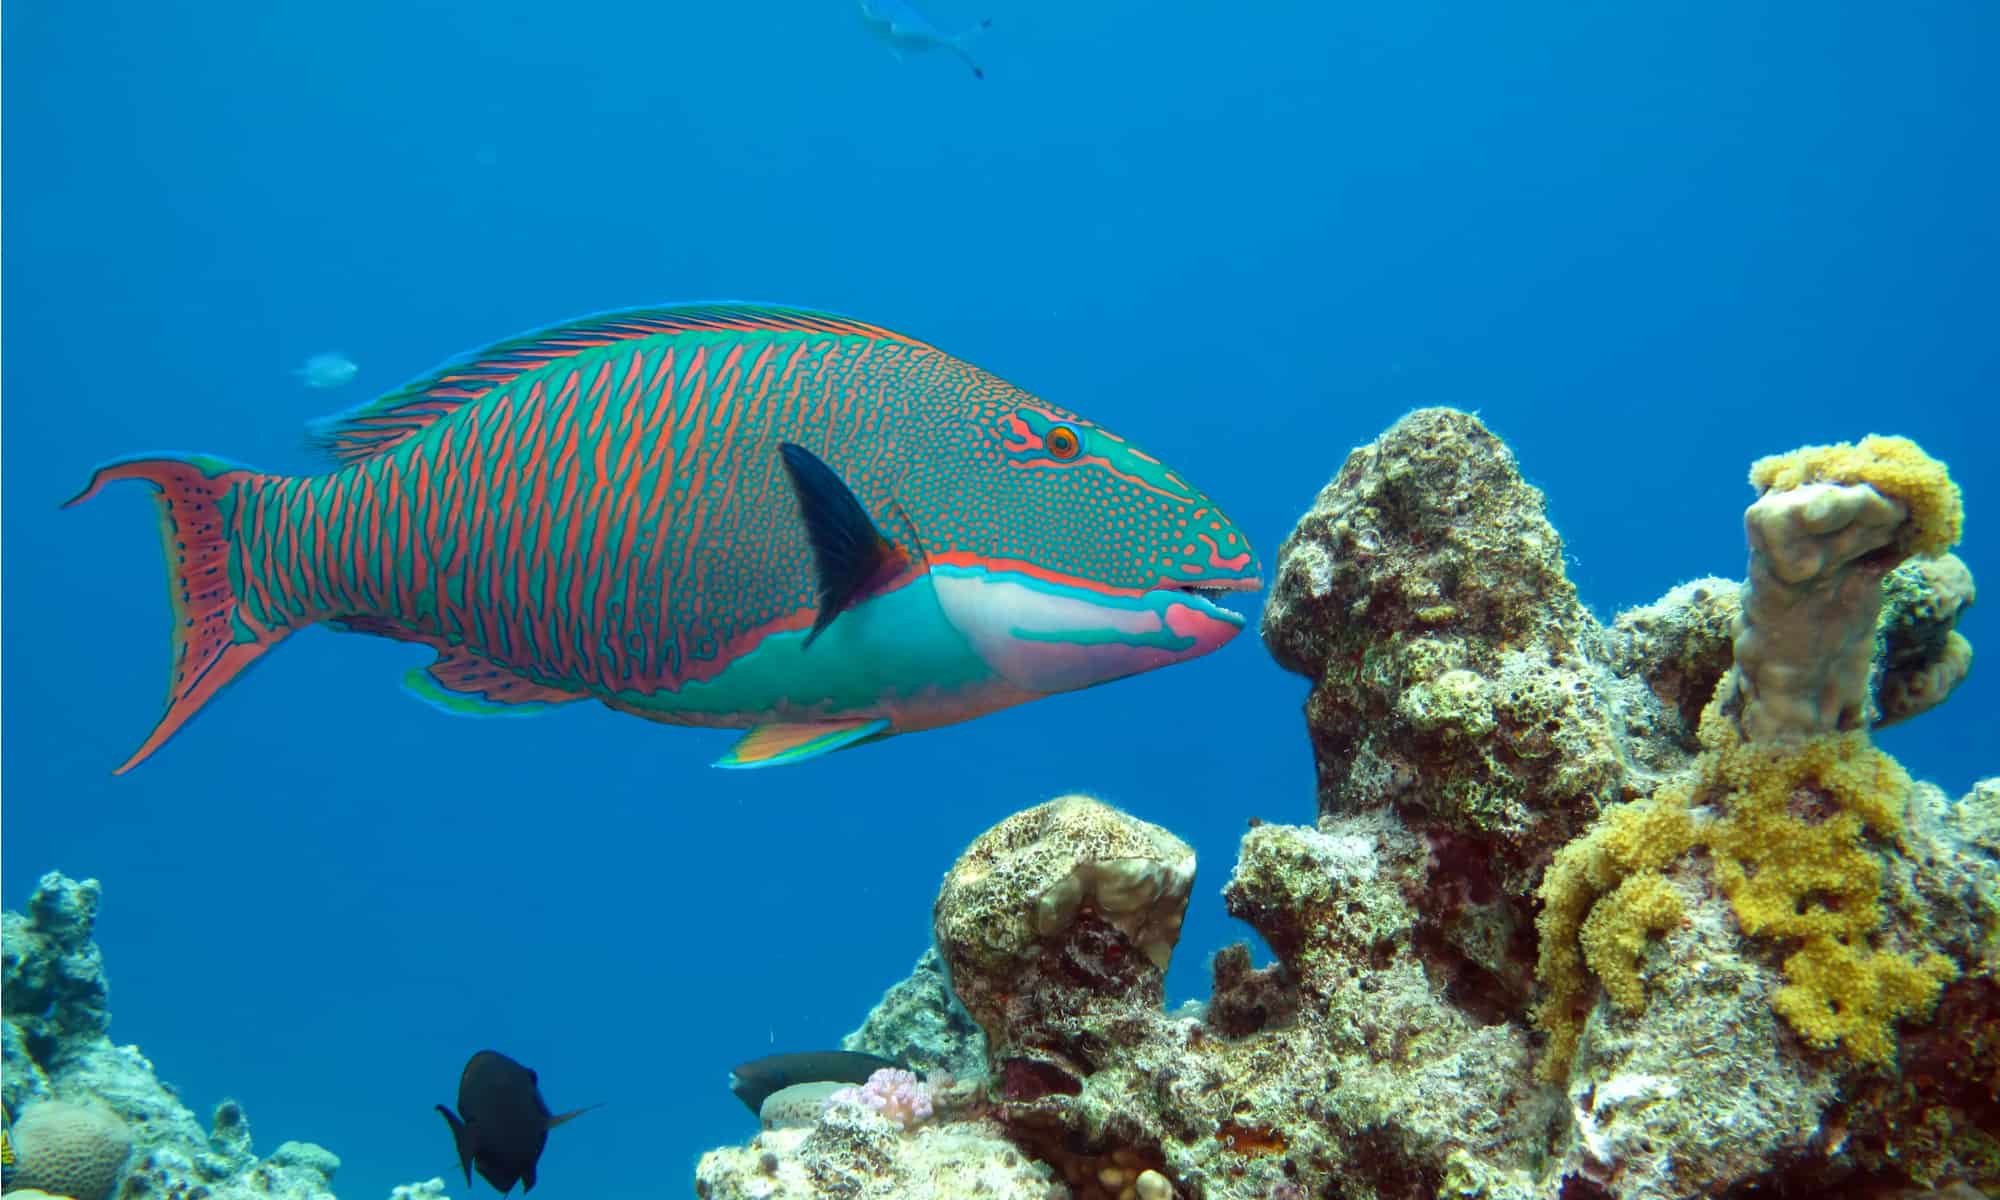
pixel 385 422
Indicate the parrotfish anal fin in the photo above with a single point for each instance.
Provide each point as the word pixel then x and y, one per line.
pixel 852 556
pixel 461 681
pixel 777 745
pixel 381 424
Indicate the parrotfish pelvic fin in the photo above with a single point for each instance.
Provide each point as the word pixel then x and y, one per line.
pixel 852 556
pixel 778 745
pixel 380 425
pixel 213 639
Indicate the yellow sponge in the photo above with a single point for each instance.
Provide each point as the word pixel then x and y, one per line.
pixel 1894 466
pixel 1791 853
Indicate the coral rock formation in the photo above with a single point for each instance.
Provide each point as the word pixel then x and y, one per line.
pixel 856 1155
pixel 60 1062
pixel 1830 523
pixel 1924 657
pixel 920 1022
pixel 1424 595
pixel 1059 917
pixel 74 1150
pixel 1570 925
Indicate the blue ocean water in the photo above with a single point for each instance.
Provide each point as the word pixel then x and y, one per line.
pixel 1647 246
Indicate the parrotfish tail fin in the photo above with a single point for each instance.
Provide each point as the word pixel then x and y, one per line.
pixel 461 1138
pixel 212 638
pixel 574 1113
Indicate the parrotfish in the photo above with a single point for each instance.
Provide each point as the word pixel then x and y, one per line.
pixel 329 370
pixel 734 516
pixel 905 29
pixel 502 1123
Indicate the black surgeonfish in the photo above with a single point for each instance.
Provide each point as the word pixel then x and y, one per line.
pixel 755 1080
pixel 502 1123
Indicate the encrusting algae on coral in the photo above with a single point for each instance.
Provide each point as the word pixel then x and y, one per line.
pixel 1793 806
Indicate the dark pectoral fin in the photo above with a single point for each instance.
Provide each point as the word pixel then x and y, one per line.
pixel 462 1138
pixel 851 554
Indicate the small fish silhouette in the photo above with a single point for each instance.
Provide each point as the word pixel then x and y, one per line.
pixel 502 1123
pixel 906 29
pixel 329 370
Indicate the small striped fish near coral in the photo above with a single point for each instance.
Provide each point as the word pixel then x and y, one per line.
pixel 726 515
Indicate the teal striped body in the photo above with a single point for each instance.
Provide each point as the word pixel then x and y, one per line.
pixel 601 511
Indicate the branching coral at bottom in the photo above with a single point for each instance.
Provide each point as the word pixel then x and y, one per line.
pixel 1790 850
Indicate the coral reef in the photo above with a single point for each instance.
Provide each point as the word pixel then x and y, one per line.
pixel 1923 655
pixel 920 1022
pixel 1590 912
pixel 90 1119
pixel 1059 919
pixel 74 1150
pixel 1829 524
pixel 852 1153
pixel 892 1094
pixel 1424 595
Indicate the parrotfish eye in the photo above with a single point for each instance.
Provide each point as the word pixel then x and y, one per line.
pixel 1062 442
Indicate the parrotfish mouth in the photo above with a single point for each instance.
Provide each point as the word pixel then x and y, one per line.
pixel 1213 592
pixel 1048 635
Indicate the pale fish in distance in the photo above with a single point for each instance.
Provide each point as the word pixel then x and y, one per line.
pixel 328 370
pixel 906 29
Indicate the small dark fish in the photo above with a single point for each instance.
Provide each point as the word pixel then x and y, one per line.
pixel 754 1081
pixel 502 1123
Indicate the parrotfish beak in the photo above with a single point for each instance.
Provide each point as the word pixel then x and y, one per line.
pixel 1052 634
